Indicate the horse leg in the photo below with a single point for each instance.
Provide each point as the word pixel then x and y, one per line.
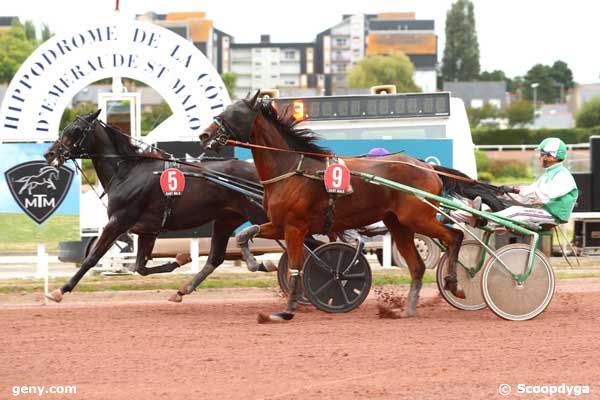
pixel 294 240
pixel 222 228
pixel 405 242
pixel 145 246
pixel 267 231
pixel 110 233
pixel 452 238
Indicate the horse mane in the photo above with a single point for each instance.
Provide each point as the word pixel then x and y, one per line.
pixel 299 139
pixel 123 144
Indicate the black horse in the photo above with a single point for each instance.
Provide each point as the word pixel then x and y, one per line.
pixel 136 203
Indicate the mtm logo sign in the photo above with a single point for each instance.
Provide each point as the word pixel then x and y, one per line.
pixel 38 188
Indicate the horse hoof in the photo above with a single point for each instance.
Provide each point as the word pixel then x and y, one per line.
pixel 176 298
pixel 275 317
pixel 56 296
pixel 182 259
pixel 459 293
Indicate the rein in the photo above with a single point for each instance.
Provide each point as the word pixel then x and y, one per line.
pixel 324 155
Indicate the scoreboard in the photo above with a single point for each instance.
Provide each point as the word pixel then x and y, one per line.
pixel 365 107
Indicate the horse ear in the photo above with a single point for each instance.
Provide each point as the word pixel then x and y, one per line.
pixel 94 115
pixel 254 99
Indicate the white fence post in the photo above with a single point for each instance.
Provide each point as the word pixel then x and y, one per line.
pixel 387 250
pixel 194 250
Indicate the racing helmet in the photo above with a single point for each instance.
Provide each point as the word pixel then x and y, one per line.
pixel 377 152
pixel 554 147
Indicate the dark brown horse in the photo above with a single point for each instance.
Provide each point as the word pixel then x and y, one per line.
pixel 297 206
pixel 136 203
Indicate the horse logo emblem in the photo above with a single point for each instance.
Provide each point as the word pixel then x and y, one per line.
pixel 38 188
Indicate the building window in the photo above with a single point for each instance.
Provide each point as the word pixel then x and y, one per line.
pixel 289 55
pixel 341 42
pixel 476 103
pixel 497 103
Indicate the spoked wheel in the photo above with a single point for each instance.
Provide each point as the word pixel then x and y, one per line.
pixel 332 282
pixel 283 278
pixel 512 300
pixel 429 251
pixel 468 272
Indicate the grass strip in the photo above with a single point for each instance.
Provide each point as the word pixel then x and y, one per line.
pixel 215 281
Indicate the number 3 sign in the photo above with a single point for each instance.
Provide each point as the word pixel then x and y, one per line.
pixel 172 182
pixel 337 178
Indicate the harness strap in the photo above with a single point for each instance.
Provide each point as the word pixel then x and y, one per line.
pixel 232 142
pixel 298 172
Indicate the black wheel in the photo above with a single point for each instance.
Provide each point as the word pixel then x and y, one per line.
pixel 332 283
pixel 283 278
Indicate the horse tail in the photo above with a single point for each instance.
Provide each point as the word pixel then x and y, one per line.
pixel 470 189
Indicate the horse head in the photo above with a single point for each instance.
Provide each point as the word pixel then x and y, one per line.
pixel 235 122
pixel 73 141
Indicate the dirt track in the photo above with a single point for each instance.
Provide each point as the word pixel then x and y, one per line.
pixel 138 346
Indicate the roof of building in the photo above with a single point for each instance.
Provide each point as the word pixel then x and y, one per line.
pixel 479 89
pixel 555 116
pixel 401 25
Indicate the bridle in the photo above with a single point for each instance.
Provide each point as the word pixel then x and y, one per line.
pixel 223 134
pixel 78 148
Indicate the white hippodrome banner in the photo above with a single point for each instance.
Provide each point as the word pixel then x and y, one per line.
pixel 62 66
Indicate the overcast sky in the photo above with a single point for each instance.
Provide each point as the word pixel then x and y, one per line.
pixel 513 34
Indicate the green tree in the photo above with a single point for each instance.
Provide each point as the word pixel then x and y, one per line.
pixel 69 114
pixel 229 79
pixel 546 91
pixel 561 73
pixel 589 115
pixel 155 117
pixel 46 33
pixel 496 76
pixel 519 113
pixel 14 49
pixel 550 79
pixel 30 33
pixel 395 69
pixel 476 114
pixel 461 54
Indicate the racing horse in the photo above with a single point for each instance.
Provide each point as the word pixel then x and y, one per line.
pixel 136 203
pixel 297 205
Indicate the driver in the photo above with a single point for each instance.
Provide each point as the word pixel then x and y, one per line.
pixel 551 198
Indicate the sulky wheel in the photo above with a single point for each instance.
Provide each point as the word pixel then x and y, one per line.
pixel 468 273
pixel 332 282
pixel 508 298
pixel 283 277
pixel 429 251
